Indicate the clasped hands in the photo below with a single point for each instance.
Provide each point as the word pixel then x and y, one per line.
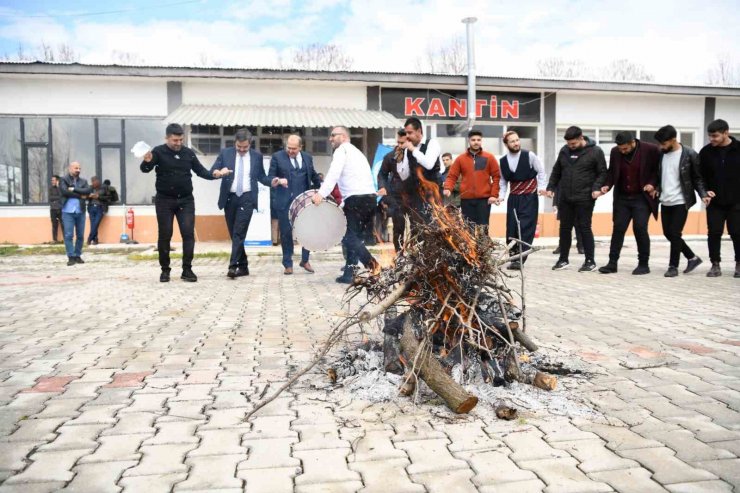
pixel 283 182
pixel 220 173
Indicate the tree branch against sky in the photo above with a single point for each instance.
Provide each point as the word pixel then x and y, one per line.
pixel 621 70
pixel 317 56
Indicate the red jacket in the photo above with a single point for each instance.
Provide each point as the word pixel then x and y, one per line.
pixel 480 175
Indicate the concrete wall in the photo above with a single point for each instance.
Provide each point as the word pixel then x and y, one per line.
pixel 729 110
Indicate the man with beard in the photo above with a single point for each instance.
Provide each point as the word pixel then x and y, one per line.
pixel 580 172
pixel 524 171
pixel 720 168
pixel 479 187
pixel 633 172
pixel 420 156
pixel 678 177
pixel 74 191
pixel 174 163
pixel 350 170
pixel 390 188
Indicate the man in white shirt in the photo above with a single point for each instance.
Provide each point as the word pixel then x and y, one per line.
pixel 678 177
pixel 421 157
pixel 351 171
pixel 524 171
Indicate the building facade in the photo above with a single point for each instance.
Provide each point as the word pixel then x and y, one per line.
pixel 51 114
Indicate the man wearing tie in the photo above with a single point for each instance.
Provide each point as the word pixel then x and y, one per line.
pixel 292 173
pixel 238 196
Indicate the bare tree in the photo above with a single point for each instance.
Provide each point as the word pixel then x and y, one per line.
pixel 65 53
pixel 206 60
pixel 626 70
pixel 45 52
pixel 126 58
pixel 726 72
pixel 561 68
pixel 448 58
pixel 318 56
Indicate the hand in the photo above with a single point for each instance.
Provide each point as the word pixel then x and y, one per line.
pixel 216 173
pixel 382 192
pixel 409 145
pixel 225 171
pixel 542 192
pixel 604 190
pixel 596 194
pixel 94 195
pixel 148 157
pixel 711 194
pixel 446 193
pixel 708 198
pixel 275 181
pixel 492 200
pixel 649 189
pixel 316 199
pixel 283 182
pixel 654 194
pixel 550 193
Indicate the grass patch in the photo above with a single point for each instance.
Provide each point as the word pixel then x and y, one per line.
pixel 8 250
pixel 153 256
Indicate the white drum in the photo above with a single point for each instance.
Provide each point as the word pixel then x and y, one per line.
pixel 316 227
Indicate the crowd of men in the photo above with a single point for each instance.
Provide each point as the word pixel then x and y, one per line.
pixel 646 179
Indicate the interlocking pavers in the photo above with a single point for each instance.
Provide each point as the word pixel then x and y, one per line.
pixel 430 456
pixel 666 467
pixel 629 480
pixel 117 447
pixel 383 476
pixel 156 483
pixel 49 467
pixel 161 459
pixel 98 477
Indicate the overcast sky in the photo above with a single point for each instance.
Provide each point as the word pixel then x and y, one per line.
pixel 676 41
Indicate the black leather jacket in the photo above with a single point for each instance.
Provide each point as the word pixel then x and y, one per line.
pixel 82 188
pixel 690 177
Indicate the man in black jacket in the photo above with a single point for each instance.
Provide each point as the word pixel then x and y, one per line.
pixel 720 168
pixel 678 177
pixel 633 173
pixel 74 192
pixel 173 163
pixel 55 208
pixel 390 187
pixel 580 172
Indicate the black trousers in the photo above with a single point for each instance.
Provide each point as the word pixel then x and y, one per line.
pixel 238 214
pixel 578 214
pixel 628 208
pixel 396 213
pixel 527 209
pixel 477 211
pixel 169 208
pixel 56 223
pixel 673 219
pixel 359 211
pixel 717 216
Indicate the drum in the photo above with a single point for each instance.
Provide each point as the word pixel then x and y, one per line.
pixel 316 227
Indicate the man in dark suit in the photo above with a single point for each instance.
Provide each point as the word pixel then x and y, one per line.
pixel 238 196
pixel 292 173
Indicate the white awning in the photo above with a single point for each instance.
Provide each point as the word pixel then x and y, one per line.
pixel 280 116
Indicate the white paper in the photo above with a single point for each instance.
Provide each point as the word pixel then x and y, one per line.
pixel 140 148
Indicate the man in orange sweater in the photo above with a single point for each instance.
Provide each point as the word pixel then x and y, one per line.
pixel 480 180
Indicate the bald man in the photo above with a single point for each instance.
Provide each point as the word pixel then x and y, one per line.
pixel 75 190
pixel 292 174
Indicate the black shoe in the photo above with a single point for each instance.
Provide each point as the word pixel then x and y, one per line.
pixel 231 274
pixel 71 261
pixel 515 265
pixel 164 276
pixel 737 270
pixel 242 271
pixel 556 251
pixel 588 266
pixel 671 272
pixel 79 260
pixel 580 250
pixel 347 276
pixel 693 264
pixel 641 269
pixel 714 271
pixel 188 275
pixel 560 265
pixel 610 268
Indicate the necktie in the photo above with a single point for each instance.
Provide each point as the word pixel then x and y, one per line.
pixel 295 163
pixel 240 177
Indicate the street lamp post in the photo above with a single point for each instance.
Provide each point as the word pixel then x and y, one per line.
pixel 469 21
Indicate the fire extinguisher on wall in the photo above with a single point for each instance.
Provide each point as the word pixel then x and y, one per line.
pixel 130 223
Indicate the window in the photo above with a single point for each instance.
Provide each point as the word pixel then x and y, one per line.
pixel 139 186
pixel 109 131
pixel 73 139
pixel 211 139
pixel 36 130
pixel 687 139
pixel 10 161
pixel 37 162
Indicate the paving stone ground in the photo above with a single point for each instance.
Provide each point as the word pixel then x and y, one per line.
pixel 111 381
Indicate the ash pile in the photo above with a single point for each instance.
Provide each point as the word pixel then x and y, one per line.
pixel 449 316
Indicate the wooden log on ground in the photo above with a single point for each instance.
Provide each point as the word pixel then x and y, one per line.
pixel 426 367
pixel 522 338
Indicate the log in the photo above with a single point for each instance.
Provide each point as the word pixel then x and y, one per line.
pixel 522 338
pixel 426 367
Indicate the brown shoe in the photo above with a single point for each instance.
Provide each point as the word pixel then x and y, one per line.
pixel 288 271
pixel 307 267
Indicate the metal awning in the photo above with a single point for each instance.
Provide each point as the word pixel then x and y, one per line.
pixel 280 116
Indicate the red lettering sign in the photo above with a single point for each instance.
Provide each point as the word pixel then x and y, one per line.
pixel 458 107
pixel 412 107
pixel 510 109
pixel 493 107
pixel 436 108
pixel 479 104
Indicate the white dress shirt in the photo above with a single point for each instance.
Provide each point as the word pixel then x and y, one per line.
pixel 298 159
pixel 534 162
pixel 427 159
pixel 350 170
pixel 246 162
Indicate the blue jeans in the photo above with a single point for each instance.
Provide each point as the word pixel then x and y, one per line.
pixel 96 215
pixel 73 221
